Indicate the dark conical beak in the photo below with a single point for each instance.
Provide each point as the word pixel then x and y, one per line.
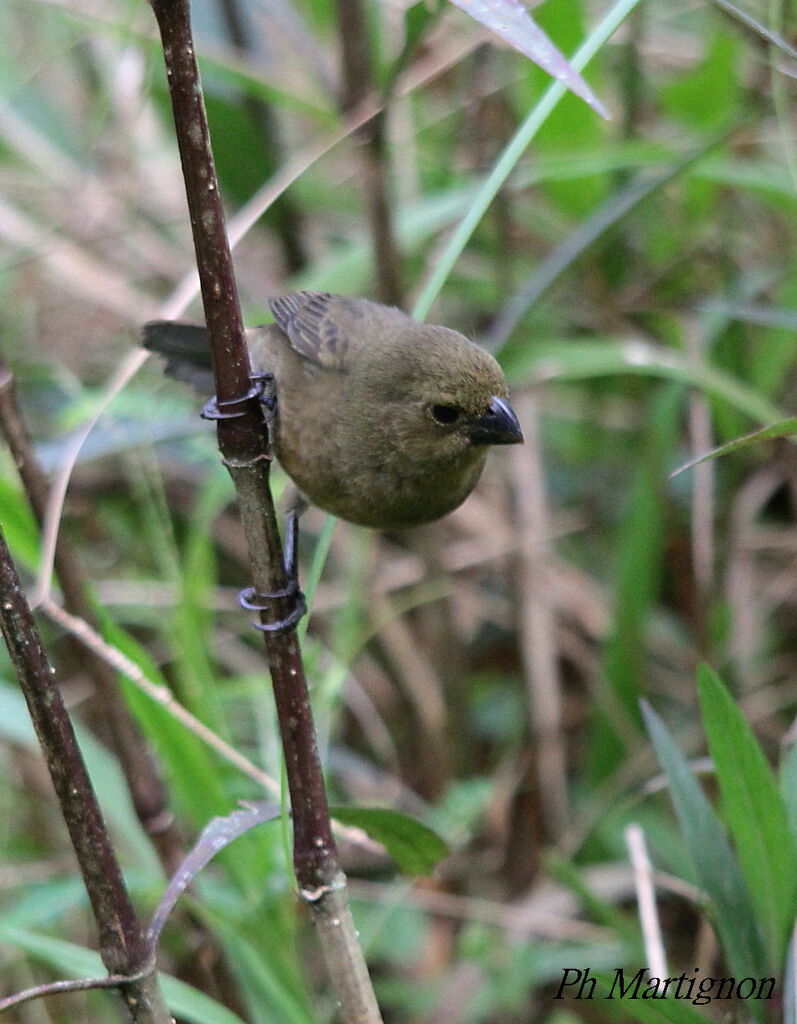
pixel 499 425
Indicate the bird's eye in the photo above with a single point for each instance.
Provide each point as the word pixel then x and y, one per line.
pixel 445 413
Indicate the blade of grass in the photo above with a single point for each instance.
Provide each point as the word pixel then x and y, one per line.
pixel 512 153
pixel 262 973
pixel 784 428
pixel 715 866
pixel 754 811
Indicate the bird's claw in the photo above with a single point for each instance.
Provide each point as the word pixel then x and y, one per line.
pixel 261 388
pixel 253 601
pixel 266 395
pixel 263 602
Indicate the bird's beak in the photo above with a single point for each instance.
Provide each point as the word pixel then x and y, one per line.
pixel 499 425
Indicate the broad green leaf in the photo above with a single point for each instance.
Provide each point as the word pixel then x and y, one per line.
pixel 716 868
pixel 709 95
pixel 754 811
pixel 415 848
pixel 44 904
pixel 192 774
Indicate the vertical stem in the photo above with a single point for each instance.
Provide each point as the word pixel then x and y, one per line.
pixel 243 441
pixel 122 944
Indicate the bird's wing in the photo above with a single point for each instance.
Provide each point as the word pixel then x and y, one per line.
pixel 330 330
pixel 315 323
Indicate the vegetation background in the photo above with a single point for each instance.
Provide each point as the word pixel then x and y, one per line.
pixel 637 279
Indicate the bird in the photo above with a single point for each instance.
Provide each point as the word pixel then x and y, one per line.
pixel 380 420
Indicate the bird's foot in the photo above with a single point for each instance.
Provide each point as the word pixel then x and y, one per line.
pixel 253 601
pixel 267 396
pixel 261 388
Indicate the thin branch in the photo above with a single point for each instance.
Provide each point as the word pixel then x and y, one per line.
pixel 122 944
pixel 55 988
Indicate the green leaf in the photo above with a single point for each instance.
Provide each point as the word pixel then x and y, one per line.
pixel 415 848
pixel 783 428
pixel 418 18
pixel 715 866
pixel 194 777
pixel 709 95
pixel 262 974
pixel 754 811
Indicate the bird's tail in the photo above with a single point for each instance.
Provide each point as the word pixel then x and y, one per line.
pixel 186 349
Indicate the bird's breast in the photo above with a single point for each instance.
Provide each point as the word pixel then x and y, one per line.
pixel 357 465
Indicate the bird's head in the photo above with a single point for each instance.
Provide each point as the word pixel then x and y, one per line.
pixel 441 396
